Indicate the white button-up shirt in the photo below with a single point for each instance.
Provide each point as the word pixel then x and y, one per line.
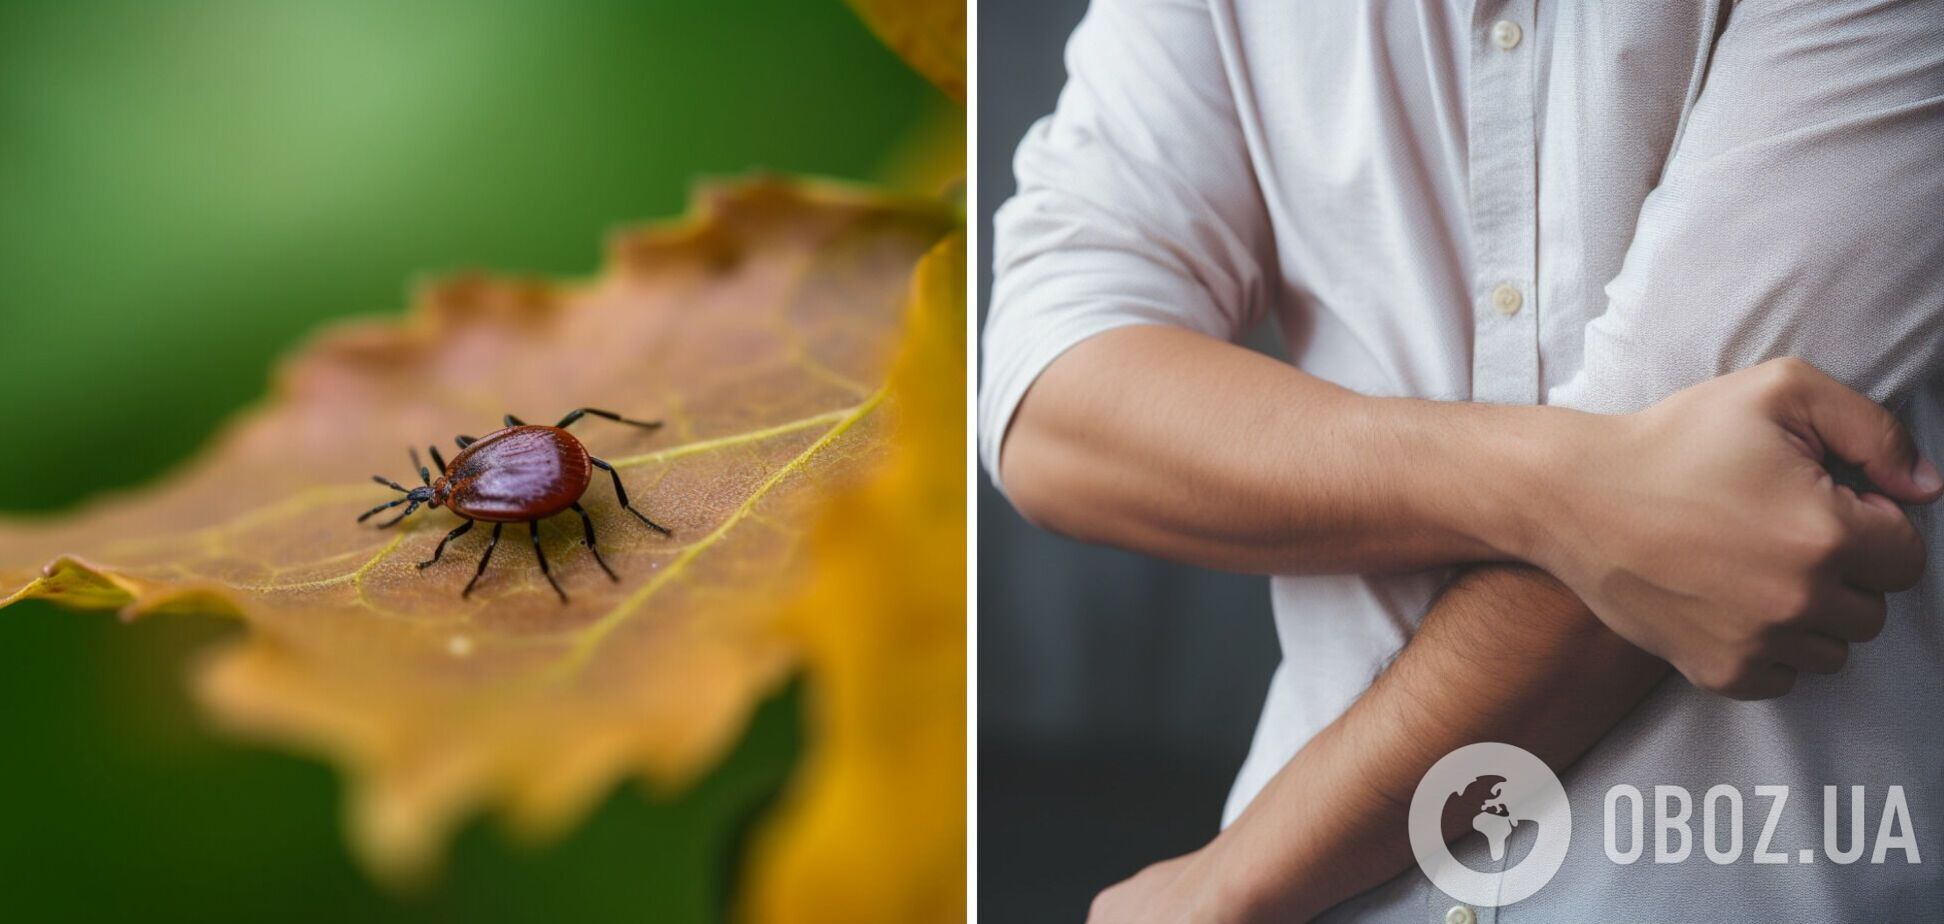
pixel 1586 204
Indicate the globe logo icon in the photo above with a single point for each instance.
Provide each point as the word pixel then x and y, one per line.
pixel 1481 803
pixel 1492 789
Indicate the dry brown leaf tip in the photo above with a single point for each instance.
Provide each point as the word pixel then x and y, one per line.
pixel 759 329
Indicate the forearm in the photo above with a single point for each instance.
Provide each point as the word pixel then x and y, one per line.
pixel 1179 445
pixel 1708 531
pixel 1331 823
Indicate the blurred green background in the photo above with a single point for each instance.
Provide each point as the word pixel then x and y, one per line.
pixel 186 188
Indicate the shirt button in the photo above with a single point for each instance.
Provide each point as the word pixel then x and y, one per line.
pixel 1507 300
pixel 1506 34
pixel 1459 914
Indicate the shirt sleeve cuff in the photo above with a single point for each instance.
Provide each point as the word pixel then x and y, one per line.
pixel 1009 372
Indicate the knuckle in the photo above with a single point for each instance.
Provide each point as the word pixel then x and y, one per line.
pixel 1793 602
pixel 1707 679
pixel 1743 690
pixel 1724 676
pixel 1894 442
pixel 1763 682
pixel 1827 656
pixel 1772 627
pixel 1780 684
pixel 1796 368
pixel 1822 538
pixel 1784 373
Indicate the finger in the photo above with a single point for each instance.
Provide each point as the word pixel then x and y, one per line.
pixel 1814 653
pixel 1884 551
pixel 1851 614
pixel 1862 433
pixel 1764 683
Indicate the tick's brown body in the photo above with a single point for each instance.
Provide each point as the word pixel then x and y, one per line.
pixel 520 474
pixel 515 475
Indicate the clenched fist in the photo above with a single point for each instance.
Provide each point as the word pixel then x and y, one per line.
pixel 1716 537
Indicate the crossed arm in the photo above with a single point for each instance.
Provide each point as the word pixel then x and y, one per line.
pixel 1330 824
pixel 1098 449
pixel 1733 464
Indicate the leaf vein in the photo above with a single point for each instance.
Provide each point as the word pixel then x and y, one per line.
pixel 591 637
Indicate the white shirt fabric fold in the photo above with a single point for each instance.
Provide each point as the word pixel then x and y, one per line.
pixel 1513 201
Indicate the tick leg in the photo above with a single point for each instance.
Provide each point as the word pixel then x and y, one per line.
pixel 533 529
pixel 384 506
pixel 575 415
pixel 388 524
pixel 424 475
pixel 437 459
pixel 588 522
pixel 387 482
pixel 465 441
pixel 442 544
pixel 621 494
pixel 483 559
pixel 513 421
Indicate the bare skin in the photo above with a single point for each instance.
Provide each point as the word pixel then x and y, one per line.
pixel 1152 438
pixel 1173 443
pixel 1331 823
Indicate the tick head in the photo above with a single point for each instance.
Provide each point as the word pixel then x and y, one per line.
pixel 423 495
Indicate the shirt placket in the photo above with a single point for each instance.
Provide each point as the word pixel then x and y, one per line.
pixel 1503 142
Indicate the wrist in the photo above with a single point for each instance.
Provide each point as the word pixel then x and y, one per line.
pixel 1234 888
pixel 1496 482
pixel 1222 895
pixel 1535 482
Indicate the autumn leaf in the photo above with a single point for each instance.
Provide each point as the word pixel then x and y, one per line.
pixel 760 330
pixel 928 34
pixel 873 831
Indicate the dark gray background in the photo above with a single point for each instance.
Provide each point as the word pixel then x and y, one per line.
pixel 1117 693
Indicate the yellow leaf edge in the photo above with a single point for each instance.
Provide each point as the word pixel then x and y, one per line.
pixel 74 582
pixel 929 35
pixel 872 829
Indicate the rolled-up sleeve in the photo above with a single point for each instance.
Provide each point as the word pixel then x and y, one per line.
pixel 1136 204
pixel 1801 214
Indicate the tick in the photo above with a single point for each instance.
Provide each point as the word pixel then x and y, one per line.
pixel 522 473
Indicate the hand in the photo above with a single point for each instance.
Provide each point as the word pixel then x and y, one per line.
pixel 1707 530
pixel 1164 893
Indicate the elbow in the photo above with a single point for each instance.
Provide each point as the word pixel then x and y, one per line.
pixel 1026 459
pixel 1026 476
pixel 1052 486
pixel 1057 490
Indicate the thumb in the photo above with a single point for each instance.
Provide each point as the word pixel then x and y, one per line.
pixel 1859 431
